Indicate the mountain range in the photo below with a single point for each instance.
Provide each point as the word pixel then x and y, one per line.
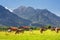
pixel 28 16
pixel 8 18
pixel 37 16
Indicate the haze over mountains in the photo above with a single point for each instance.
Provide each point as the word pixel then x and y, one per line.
pixel 28 16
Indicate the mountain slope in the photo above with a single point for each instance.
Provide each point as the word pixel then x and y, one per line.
pixel 8 18
pixel 38 16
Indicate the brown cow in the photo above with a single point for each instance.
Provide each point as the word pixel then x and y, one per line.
pixel 24 27
pixel 43 29
pixel 56 29
pixel 12 29
pixel 53 29
pixel 19 31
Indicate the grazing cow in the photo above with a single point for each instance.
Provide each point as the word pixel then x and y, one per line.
pixel 12 29
pixel 53 28
pixel 19 31
pixel 27 28
pixel 43 29
pixel 56 29
pixel 24 27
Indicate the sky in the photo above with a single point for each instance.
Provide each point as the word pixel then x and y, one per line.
pixel 51 5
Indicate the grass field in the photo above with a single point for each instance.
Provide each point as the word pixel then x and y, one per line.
pixel 27 35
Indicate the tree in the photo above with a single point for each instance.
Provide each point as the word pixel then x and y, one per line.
pixel 48 26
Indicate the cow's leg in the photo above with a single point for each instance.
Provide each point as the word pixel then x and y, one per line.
pixel 17 32
pixel 41 31
pixel 22 31
pixel 57 31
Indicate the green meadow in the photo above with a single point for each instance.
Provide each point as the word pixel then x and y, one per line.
pixel 28 35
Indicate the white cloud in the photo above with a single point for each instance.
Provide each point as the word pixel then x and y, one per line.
pixel 9 9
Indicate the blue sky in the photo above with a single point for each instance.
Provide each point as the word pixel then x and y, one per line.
pixel 51 5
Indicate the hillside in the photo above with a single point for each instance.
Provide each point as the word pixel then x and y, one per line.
pixel 8 18
pixel 37 16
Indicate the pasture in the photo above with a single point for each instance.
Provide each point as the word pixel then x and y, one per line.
pixel 27 35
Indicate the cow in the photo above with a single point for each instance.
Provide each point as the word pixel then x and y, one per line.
pixel 19 31
pixel 26 28
pixel 10 29
pixel 53 29
pixel 56 29
pixel 22 29
pixel 43 29
pixel 16 29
